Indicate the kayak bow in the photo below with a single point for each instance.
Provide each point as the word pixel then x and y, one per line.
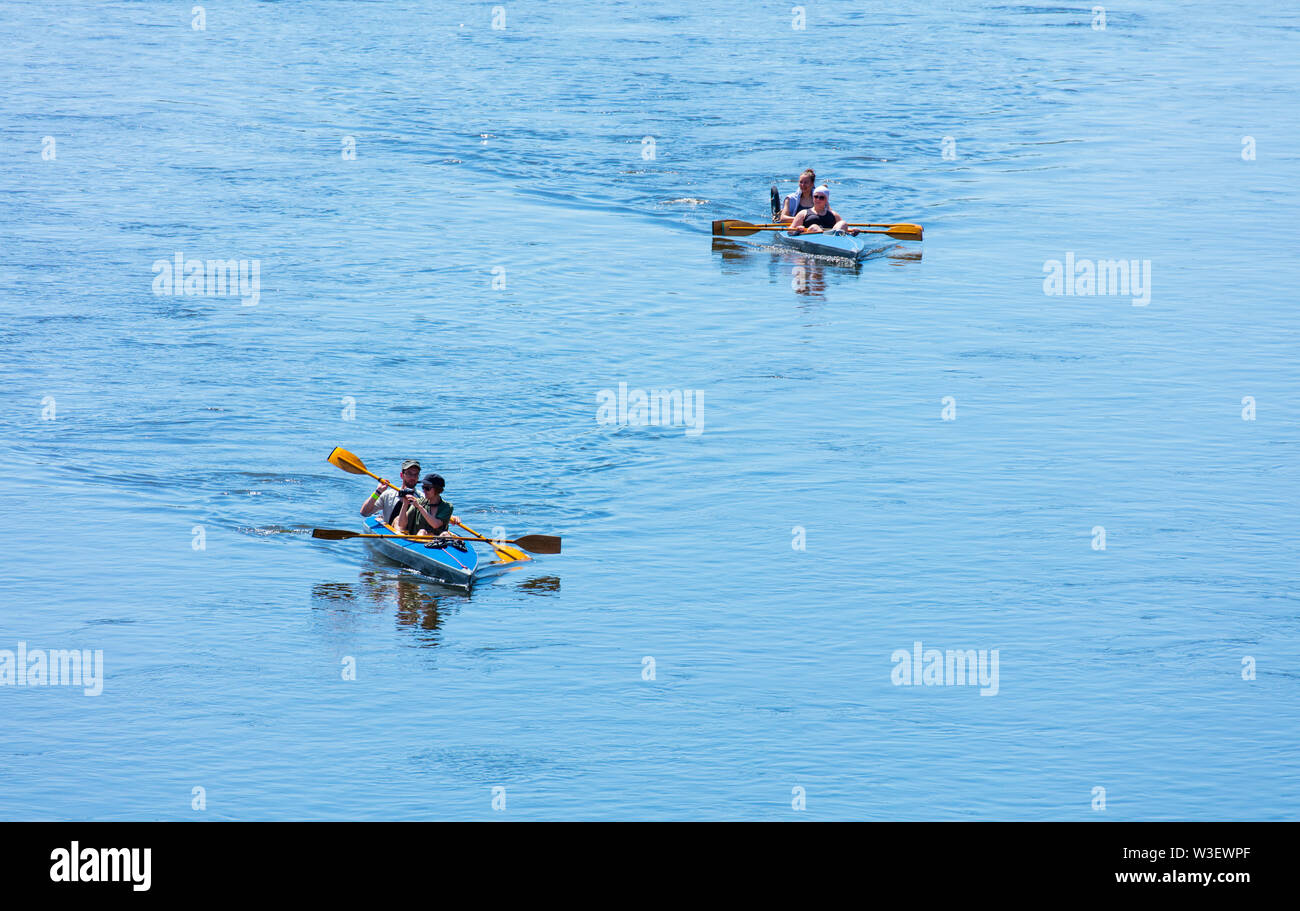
pixel 451 563
pixel 841 246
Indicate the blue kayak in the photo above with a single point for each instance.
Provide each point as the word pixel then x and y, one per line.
pixel 450 562
pixel 841 246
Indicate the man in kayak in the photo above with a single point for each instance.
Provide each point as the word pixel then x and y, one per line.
pixel 799 200
pixel 820 218
pixel 429 514
pixel 386 499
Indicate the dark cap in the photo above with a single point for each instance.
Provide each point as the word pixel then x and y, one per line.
pixel 435 481
pixel 410 463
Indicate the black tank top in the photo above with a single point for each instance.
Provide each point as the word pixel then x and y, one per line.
pixel 825 222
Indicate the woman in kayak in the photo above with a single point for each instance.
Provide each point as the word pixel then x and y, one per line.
pixel 429 514
pixel 801 199
pixel 820 218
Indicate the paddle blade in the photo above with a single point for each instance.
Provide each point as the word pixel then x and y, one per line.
pixel 883 224
pixel 333 534
pixel 539 544
pixel 907 232
pixel 341 458
pixel 902 232
pixel 730 227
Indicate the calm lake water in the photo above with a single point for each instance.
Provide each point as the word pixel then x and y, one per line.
pixel 466 237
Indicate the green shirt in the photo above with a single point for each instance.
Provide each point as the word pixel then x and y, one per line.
pixel 415 521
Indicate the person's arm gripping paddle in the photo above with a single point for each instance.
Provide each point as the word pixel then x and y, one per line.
pixel 372 503
pixel 386 496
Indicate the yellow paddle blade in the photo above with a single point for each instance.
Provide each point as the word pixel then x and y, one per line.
pixel 731 227
pixel 882 224
pixel 911 232
pixel 341 458
pixel 904 232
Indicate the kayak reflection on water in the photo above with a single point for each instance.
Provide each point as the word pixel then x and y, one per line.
pixel 416 604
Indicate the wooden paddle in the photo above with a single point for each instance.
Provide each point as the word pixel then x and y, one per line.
pixel 731 227
pixel 534 544
pixel 341 458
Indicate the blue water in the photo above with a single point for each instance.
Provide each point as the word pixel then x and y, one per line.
pixel 507 244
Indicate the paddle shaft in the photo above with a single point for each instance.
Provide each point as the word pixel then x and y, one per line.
pixel 851 224
pixel 336 536
pixel 540 544
pixel 846 224
pixel 731 227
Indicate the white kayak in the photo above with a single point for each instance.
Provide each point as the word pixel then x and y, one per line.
pixel 840 246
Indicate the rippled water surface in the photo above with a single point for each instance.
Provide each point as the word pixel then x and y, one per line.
pixel 526 225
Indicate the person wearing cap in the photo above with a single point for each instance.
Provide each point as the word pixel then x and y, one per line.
pixel 386 499
pixel 429 514
pixel 799 200
pixel 820 218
